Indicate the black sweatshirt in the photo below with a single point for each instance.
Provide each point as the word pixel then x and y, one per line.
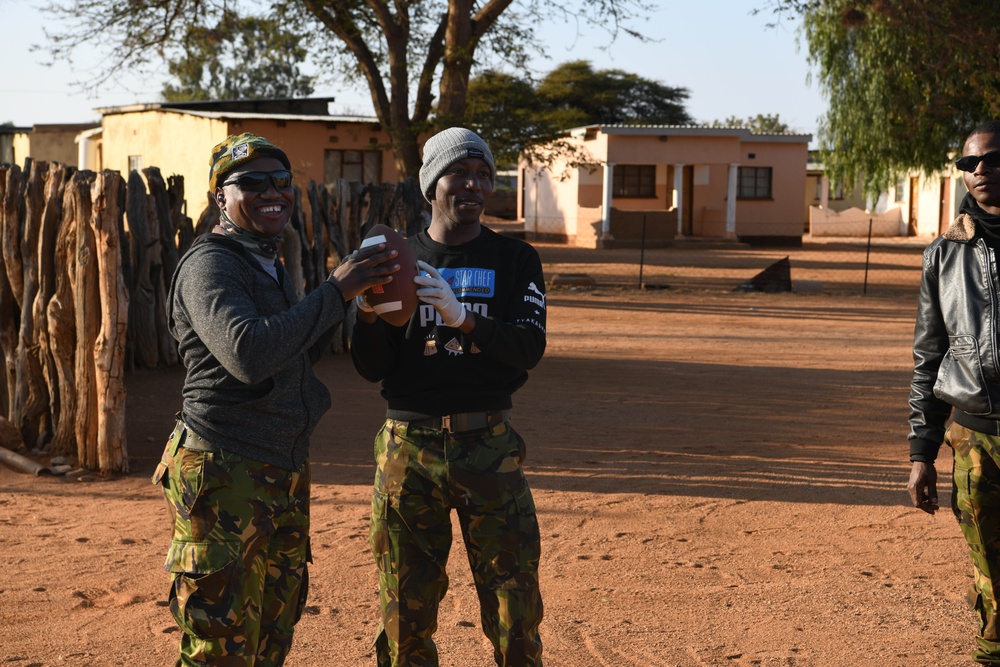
pixel 428 369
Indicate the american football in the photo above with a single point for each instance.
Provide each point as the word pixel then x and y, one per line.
pixel 394 302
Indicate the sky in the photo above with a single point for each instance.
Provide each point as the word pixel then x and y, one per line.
pixel 730 61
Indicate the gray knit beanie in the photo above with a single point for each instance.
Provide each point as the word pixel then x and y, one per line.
pixel 446 147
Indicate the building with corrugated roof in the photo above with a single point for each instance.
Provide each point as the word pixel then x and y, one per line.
pixel 620 184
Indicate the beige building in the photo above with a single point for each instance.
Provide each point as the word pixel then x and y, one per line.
pixel 677 182
pixel 929 203
pixel 51 143
pixel 917 204
pixel 178 137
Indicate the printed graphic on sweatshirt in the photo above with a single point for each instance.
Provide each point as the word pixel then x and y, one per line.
pixel 430 346
pixel 477 283
pixel 454 347
pixel 470 282
pixel 536 300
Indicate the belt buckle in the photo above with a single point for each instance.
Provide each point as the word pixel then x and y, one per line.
pixel 446 423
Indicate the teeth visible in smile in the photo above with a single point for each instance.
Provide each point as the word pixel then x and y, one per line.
pixel 271 209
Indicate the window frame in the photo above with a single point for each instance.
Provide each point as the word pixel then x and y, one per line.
pixel 368 161
pixel 762 190
pixel 634 181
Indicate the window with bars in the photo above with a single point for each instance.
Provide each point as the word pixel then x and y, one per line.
pixel 754 183
pixel 362 166
pixel 634 180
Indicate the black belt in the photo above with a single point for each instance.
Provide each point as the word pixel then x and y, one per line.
pixel 979 424
pixel 462 421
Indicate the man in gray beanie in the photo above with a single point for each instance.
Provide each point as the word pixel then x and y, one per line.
pixel 452 145
pixel 447 442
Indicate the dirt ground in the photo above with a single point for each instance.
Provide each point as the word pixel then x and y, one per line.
pixel 719 478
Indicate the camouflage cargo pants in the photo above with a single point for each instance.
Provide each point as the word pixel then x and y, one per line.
pixel 422 475
pixel 976 503
pixel 237 556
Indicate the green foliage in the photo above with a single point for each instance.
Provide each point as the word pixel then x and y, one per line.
pixel 906 80
pixel 239 58
pixel 515 117
pixel 416 57
pixel 502 109
pixel 759 124
pixel 573 94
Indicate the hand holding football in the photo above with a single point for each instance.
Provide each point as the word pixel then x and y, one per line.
pixel 394 301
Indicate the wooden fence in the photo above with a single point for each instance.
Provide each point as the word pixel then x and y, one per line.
pixel 85 265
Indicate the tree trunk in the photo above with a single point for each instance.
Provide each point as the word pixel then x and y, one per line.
pixel 318 222
pixel 87 311
pixel 407 207
pixel 13 219
pixel 9 314
pixel 337 197
pixel 291 257
pixel 167 260
pixel 145 254
pixel 307 271
pixel 10 437
pixel 61 323
pixel 47 266
pixel 180 220
pixel 406 152
pixel 208 219
pixel 109 349
pixel 458 51
pixel 320 226
pixel 355 208
pixel 32 398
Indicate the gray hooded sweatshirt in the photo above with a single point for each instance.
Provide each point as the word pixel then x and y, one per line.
pixel 246 343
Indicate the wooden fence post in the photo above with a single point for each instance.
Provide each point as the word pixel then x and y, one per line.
pixel 87 312
pixel 145 238
pixel 69 271
pixel 31 399
pixel 109 348
pixel 9 312
pixel 49 225
pixel 61 322
pixel 159 210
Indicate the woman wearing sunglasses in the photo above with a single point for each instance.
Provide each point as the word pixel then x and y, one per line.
pixel 957 374
pixel 235 471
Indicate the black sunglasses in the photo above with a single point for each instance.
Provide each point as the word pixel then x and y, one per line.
pixel 970 162
pixel 256 181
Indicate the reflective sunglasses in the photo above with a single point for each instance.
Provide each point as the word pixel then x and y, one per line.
pixel 256 181
pixel 970 162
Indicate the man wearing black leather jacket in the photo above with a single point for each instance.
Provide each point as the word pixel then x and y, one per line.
pixel 956 373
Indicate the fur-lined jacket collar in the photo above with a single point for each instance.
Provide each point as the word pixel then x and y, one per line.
pixel 962 230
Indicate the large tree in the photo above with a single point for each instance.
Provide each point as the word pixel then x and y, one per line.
pixel 905 80
pixel 401 49
pixel 516 117
pixel 574 94
pixel 503 109
pixel 244 57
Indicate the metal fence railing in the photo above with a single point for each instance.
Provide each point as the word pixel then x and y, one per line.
pixel 888 267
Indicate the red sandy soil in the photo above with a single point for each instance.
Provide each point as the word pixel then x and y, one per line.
pixel 720 480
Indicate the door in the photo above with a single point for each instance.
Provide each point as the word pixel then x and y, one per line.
pixel 914 206
pixel 687 187
pixel 944 205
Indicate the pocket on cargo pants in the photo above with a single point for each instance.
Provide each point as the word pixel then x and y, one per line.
pixel 206 595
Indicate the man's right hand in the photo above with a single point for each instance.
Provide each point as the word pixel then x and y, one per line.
pixel 923 486
pixel 363 269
